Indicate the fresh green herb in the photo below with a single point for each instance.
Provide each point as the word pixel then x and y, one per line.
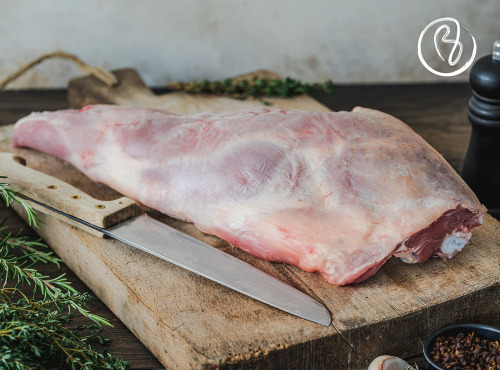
pixel 19 269
pixel 34 334
pixel 35 250
pixel 35 330
pixel 251 88
pixel 10 195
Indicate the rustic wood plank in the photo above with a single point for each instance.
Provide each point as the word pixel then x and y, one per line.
pixel 132 91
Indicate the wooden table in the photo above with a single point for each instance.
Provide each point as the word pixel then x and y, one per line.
pixel 438 112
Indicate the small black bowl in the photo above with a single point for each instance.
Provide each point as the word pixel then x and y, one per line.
pixel 483 331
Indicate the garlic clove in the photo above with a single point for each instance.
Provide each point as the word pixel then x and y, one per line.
pixel 386 362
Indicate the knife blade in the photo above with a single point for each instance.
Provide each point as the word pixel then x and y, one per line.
pixel 156 238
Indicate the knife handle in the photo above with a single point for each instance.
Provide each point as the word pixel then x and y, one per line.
pixel 63 196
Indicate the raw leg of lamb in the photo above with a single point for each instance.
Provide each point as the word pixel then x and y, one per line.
pixel 337 193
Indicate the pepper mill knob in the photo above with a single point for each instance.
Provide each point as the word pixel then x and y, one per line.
pixel 481 169
pixel 496 50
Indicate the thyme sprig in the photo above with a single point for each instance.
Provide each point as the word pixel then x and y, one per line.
pixel 35 332
pixel 250 88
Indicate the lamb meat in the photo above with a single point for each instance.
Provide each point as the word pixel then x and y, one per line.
pixel 336 193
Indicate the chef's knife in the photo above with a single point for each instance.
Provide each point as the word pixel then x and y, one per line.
pixel 121 219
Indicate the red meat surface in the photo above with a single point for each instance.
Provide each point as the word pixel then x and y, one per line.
pixel 336 193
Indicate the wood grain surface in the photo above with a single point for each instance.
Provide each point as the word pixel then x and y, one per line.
pixel 391 313
pixel 65 197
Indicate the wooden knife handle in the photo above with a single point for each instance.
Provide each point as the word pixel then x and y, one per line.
pixel 63 196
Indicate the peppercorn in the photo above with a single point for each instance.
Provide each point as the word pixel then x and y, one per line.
pixel 466 351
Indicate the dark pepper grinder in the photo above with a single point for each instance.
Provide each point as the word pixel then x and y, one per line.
pixel 481 169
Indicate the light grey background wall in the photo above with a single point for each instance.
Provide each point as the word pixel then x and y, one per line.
pixel 359 41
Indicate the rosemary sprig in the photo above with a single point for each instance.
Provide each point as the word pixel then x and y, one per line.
pixel 251 88
pixel 10 195
pixel 57 290
pixel 20 268
pixel 34 336
pixel 35 250
pixel 35 333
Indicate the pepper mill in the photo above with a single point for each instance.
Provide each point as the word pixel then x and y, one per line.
pixel 481 169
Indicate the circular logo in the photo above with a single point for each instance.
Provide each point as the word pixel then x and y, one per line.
pixel 446 37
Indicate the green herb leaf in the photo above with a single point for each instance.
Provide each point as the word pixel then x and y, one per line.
pixel 10 195
pixel 36 333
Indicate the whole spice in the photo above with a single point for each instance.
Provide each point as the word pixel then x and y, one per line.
pixel 466 351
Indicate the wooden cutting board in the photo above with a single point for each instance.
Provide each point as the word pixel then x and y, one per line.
pixel 189 322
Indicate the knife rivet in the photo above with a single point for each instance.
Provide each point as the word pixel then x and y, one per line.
pixel 52 187
pixel 75 196
pixel 100 206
